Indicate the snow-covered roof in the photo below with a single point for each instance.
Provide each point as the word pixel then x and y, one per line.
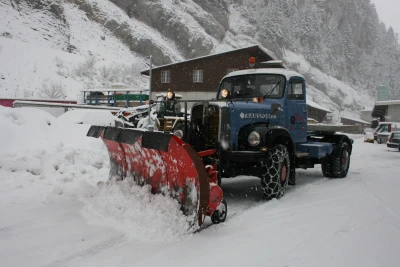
pixel 317 106
pixel 18 104
pixel 115 90
pixel 278 63
pixel 266 51
pixel 285 72
pixel 387 103
pixel 39 99
pixel 388 122
pixel 355 119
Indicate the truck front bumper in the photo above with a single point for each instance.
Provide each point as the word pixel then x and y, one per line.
pixel 234 163
pixel 243 156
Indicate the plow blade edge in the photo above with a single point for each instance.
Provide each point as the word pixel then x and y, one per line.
pixel 160 160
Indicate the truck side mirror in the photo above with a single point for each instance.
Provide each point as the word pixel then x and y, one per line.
pixel 276 109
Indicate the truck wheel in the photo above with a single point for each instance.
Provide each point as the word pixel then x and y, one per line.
pixel 326 166
pixel 341 161
pixel 292 176
pixel 275 172
pixel 337 165
pixel 180 131
pixel 219 216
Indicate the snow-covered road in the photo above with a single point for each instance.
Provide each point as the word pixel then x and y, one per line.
pixel 53 213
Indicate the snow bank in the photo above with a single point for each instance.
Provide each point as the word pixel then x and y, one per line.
pixel 19 127
pixel 39 152
pixel 43 158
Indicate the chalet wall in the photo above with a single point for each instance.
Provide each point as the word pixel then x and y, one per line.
pixel 393 113
pixel 214 68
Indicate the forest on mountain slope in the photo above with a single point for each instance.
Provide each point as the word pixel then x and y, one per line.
pixel 342 38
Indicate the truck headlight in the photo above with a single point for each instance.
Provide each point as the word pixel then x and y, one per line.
pixel 224 93
pixel 254 138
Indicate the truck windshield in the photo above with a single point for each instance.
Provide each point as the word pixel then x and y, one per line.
pixel 255 85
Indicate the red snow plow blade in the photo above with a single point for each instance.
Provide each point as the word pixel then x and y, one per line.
pixel 164 162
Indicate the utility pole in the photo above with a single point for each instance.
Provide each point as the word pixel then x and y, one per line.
pixel 150 127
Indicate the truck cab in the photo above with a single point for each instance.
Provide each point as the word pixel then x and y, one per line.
pixel 258 126
pixel 277 95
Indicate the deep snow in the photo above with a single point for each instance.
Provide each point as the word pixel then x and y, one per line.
pixel 59 210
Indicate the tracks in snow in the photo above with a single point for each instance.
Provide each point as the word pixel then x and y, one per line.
pixel 89 252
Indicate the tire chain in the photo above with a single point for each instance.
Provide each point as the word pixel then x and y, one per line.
pixel 271 184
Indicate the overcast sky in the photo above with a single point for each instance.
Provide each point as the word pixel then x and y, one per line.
pixel 389 13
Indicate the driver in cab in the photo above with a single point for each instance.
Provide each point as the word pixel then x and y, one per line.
pixel 241 89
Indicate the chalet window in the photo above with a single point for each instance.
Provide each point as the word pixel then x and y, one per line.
pixel 296 90
pixel 165 76
pixel 198 76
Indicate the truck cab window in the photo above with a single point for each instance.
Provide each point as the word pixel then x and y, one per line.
pixel 296 90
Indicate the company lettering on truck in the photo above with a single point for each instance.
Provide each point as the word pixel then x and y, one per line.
pixel 256 116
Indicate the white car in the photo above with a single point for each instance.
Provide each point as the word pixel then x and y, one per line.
pixel 394 140
pixel 381 134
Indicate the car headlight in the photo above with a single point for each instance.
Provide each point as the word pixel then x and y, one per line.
pixel 224 93
pixel 178 133
pixel 254 138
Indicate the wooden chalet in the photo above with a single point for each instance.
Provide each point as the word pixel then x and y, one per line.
pixel 198 78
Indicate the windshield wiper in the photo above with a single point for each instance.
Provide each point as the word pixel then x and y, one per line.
pixel 272 90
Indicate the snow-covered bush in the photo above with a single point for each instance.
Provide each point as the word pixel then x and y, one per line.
pixel 52 90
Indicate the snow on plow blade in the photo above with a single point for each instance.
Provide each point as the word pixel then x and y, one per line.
pixel 160 160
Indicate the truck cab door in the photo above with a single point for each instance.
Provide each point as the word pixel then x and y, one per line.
pixel 296 109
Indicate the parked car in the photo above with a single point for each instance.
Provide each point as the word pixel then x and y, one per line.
pixel 381 134
pixel 394 140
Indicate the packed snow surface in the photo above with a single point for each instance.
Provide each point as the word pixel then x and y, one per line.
pixel 59 209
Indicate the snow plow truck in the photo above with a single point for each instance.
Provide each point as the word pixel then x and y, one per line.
pixel 256 125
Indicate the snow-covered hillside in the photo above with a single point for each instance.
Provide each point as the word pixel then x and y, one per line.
pixel 36 54
pixel 79 44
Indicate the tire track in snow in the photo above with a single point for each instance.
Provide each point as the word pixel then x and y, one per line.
pixel 228 217
pixel 30 223
pixel 6 229
pixel 92 251
pixel 378 200
pixel 293 192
